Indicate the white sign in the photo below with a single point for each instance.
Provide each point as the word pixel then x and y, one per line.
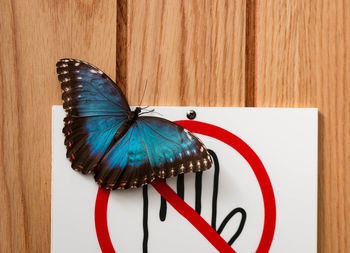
pixel 266 180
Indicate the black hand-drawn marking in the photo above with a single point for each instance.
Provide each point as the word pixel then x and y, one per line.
pixel 241 224
pixel 198 205
pixel 181 186
pixel 163 207
pixel 145 219
pixel 198 184
pixel 214 203
pixel 180 191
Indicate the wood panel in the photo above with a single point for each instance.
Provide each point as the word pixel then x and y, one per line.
pixel 303 61
pixel 34 35
pixel 188 52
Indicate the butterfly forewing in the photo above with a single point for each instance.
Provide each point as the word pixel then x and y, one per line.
pixel 96 108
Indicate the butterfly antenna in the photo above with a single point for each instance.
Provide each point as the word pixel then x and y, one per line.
pixel 159 113
pixel 155 112
pixel 144 91
pixel 146 111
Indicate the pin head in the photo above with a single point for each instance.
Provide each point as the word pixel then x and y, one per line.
pixel 191 114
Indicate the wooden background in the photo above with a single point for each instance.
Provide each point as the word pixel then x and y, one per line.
pixel 286 53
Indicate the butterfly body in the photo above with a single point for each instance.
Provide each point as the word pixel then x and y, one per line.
pixel 131 119
pixel 119 146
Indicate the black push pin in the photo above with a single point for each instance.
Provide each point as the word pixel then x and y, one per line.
pixel 191 114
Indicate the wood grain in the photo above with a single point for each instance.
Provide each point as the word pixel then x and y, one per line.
pixel 303 61
pixel 189 52
pixel 34 35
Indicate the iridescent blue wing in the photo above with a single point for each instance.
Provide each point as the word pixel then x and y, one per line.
pixel 151 147
pixel 96 108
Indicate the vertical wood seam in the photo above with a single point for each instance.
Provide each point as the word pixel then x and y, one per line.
pixel 6 192
pixel 121 44
pixel 183 74
pixel 250 53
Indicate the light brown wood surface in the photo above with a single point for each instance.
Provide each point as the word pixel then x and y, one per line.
pixel 196 52
pixel 34 35
pixel 185 50
pixel 303 60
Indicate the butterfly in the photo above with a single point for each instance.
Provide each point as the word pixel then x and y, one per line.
pixel 122 148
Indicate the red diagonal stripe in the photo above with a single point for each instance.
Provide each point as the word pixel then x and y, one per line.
pixel 192 216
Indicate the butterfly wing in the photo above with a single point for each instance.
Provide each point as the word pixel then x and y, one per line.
pixel 96 108
pixel 152 147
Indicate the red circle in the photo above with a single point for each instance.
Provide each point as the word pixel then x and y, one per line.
pixel 243 149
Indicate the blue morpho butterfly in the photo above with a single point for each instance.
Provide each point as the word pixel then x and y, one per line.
pixel 120 147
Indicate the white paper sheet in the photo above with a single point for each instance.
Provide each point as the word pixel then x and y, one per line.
pixel 285 140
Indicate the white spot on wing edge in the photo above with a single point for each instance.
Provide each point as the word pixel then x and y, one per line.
pixel 189 136
pixel 182 168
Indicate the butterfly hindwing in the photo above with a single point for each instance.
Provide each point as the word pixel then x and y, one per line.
pixel 96 108
pixel 152 147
